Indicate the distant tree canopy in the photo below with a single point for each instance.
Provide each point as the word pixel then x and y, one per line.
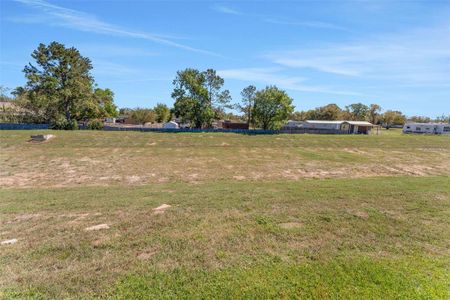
pixel 419 119
pixel 60 85
pixel 198 96
pixel 247 104
pixel 143 115
pixel 272 108
pixel 332 112
pixel 162 113
pixel 357 112
pixel 392 117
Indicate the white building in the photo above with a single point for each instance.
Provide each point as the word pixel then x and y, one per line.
pixel 428 128
pixel 293 124
pixel 171 125
pixel 357 127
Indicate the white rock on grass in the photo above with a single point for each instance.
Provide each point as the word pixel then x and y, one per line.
pixel 162 207
pixel 97 227
pixel 41 137
pixel 9 242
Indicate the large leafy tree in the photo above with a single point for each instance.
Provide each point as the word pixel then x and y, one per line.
pixel 272 108
pixel 60 85
pixel 198 96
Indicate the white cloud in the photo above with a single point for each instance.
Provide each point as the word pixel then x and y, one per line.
pixel 61 16
pixel 418 57
pixel 276 20
pixel 273 76
pixel 226 10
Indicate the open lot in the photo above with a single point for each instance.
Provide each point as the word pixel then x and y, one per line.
pixel 276 216
pixel 110 158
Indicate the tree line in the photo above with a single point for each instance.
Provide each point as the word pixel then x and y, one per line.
pixel 61 90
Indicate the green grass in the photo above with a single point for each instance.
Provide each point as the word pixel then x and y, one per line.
pixel 385 237
pixel 279 216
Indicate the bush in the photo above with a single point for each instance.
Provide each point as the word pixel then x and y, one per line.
pixel 62 124
pixel 95 124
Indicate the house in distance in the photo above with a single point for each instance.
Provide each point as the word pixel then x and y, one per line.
pixel 329 127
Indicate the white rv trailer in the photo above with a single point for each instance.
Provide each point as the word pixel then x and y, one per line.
pixel 427 128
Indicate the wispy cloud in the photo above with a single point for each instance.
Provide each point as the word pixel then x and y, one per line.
pixel 226 10
pixel 311 24
pixel 111 69
pixel 113 50
pixel 274 76
pixel 418 56
pixel 61 16
pixel 277 20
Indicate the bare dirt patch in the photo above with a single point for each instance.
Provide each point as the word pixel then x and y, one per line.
pixel 359 214
pixel 146 254
pixel 291 225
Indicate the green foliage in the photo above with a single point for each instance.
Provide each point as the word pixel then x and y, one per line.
pixel 272 108
pixel 420 119
pixel 125 111
pixel 105 103
pixel 162 112
pixel 95 124
pixel 373 115
pixel 248 102
pixel 61 123
pixel 60 83
pixel 392 117
pixel 143 115
pixel 198 96
pixel 331 112
pixel 357 112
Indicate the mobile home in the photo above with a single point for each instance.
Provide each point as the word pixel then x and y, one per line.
pixel 427 128
pixel 351 127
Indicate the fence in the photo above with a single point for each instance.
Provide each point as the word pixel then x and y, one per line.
pixel 301 130
pixel 13 126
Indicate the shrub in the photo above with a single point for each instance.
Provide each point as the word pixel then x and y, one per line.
pixel 61 123
pixel 95 124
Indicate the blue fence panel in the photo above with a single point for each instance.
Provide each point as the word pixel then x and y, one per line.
pixel 11 126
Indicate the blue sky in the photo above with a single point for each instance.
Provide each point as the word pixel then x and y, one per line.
pixel 395 53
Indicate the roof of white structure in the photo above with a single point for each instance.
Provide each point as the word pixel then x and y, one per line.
pixel 425 124
pixel 360 123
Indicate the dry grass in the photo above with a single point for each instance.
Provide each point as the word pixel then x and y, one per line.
pixel 212 227
pixel 110 158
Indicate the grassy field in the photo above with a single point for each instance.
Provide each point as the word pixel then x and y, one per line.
pixel 282 216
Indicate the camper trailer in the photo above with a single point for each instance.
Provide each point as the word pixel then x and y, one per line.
pixel 427 128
